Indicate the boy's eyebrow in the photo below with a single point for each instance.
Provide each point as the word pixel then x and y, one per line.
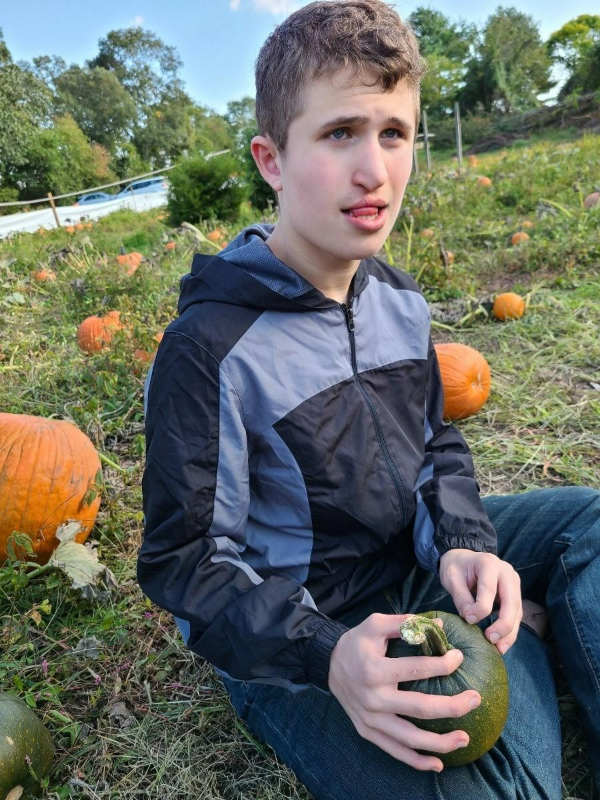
pixel 339 121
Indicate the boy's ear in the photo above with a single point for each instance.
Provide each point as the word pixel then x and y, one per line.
pixel 267 160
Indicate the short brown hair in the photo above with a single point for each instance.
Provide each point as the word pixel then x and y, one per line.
pixel 319 39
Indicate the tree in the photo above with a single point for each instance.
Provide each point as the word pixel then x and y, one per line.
pixel 241 115
pixel 102 108
pixel 576 46
pixel 510 68
pixel 446 46
pixel 25 106
pixel 60 159
pixel 144 65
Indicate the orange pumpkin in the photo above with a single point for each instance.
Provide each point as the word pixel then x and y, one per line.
pixel 170 246
pixel 46 468
pixel 70 229
pixel 484 181
pixel 79 226
pixel 466 379
pixel 42 275
pixel 591 200
pixel 508 305
pixel 527 223
pixel 215 235
pixel 518 237
pixel 473 160
pixel 95 332
pixel 427 233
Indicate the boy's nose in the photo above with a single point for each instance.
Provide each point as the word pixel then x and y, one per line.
pixel 371 170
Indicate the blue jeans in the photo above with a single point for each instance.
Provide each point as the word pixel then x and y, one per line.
pixel 552 538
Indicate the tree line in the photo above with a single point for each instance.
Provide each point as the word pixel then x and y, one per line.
pixel 126 111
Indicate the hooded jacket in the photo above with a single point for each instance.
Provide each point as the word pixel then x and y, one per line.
pixel 296 460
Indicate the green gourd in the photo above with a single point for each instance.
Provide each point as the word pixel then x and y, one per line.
pixel 22 734
pixel 482 669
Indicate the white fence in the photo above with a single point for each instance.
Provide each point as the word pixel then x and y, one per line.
pixel 30 221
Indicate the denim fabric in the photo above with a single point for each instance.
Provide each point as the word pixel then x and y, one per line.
pixel 552 538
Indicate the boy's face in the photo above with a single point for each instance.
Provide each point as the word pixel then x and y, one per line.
pixel 326 170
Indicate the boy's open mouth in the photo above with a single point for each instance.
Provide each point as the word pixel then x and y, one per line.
pixel 366 213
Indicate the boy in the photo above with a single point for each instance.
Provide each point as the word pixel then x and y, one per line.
pixel 301 491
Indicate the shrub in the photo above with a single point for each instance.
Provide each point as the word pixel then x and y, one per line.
pixel 202 190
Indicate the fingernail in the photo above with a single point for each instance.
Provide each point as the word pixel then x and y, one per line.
pixel 502 648
pixel 471 619
pixel 494 637
pixel 462 743
pixel 475 701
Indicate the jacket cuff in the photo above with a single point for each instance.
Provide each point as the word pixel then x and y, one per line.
pixel 463 541
pixel 318 653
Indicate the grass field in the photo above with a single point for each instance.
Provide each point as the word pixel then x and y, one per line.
pixel 135 715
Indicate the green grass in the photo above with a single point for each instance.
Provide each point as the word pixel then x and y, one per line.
pixel 144 717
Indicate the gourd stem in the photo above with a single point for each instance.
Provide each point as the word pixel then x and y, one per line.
pixel 423 631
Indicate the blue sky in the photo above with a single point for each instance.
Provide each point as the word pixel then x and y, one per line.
pixel 218 40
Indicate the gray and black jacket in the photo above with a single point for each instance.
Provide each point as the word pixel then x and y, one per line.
pixel 296 460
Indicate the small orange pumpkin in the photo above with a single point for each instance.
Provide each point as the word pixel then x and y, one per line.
pixel 79 226
pixel 42 275
pixel 466 379
pixel 46 468
pixel 527 223
pixel 508 305
pixel 484 181
pixel 70 229
pixel 215 235
pixel 473 160
pixel 427 233
pixel 518 237
pixel 170 246
pixel 95 332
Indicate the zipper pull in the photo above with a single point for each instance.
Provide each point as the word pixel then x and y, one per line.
pixel 349 314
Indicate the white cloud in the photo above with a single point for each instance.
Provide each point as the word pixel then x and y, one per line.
pixel 234 4
pixel 137 20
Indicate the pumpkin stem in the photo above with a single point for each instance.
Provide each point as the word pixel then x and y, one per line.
pixel 423 631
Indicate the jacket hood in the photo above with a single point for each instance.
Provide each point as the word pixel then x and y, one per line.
pixel 248 273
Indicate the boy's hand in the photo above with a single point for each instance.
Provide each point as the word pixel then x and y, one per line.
pixel 365 683
pixel 462 570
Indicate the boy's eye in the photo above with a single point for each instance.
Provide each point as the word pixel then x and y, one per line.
pixel 345 130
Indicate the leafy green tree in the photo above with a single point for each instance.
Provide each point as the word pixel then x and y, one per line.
pixel 576 47
pixel 241 116
pixel 61 159
pixel 144 65
pixel 25 106
pixel 206 189
pixel 261 195
pixel 511 66
pixel 446 46
pixel 102 108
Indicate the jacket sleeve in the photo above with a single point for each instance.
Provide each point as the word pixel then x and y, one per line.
pixel 449 512
pixel 196 500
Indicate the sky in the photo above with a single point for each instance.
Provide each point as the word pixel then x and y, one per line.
pixel 217 40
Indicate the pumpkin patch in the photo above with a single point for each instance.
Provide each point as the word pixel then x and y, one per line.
pixel 95 332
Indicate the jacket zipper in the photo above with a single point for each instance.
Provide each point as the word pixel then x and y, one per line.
pixel 397 481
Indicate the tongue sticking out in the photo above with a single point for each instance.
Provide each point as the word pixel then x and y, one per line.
pixel 367 211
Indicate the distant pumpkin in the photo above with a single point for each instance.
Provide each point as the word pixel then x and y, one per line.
pixel 518 237
pixel 484 181
pixel 591 200
pixel 508 305
pixel 466 379
pixel 215 235
pixel 95 333
pixel 427 233
pixel 170 246
pixel 42 275
pixel 70 229
pixel 527 223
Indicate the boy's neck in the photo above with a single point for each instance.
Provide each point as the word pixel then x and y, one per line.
pixel 332 281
